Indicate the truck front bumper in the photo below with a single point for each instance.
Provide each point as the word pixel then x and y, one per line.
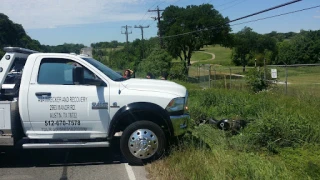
pixel 180 124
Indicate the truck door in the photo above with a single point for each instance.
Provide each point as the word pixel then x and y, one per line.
pixel 59 108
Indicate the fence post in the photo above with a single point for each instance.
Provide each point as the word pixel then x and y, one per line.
pixel 286 79
pixel 215 73
pixel 230 77
pixel 265 70
pixel 199 73
pixel 209 76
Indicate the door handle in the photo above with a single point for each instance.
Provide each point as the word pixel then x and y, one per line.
pixel 43 93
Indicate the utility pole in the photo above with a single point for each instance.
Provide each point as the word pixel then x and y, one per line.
pixel 158 18
pixel 127 34
pixel 141 27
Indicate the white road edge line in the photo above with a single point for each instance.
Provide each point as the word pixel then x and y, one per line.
pixel 130 172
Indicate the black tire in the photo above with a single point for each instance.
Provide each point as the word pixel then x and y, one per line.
pixel 224 125
pixel 153 129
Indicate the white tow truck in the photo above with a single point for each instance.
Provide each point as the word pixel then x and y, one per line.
pixel 59 100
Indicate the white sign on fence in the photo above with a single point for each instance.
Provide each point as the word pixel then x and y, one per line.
pixel 274 73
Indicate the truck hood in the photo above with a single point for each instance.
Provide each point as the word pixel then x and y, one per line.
pixel 155 85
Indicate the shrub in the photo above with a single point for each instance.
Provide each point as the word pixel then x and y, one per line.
pixel 157 63
pixel 255 80
pixel 178 71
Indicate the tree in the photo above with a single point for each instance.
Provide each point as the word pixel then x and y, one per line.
pixel 249 45
pixel 158 62
pixel 197 19
pixel 286 52
pixel 245 43
pixel 12 34
pixel 302 48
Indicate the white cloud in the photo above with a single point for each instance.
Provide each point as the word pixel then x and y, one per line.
pixel 36 14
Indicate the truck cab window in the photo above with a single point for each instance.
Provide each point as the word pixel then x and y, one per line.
pixel 59 71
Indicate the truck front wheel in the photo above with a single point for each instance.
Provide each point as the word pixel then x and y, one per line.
pixel 142 142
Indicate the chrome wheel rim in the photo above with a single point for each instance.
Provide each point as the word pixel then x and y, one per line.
pixel 143 143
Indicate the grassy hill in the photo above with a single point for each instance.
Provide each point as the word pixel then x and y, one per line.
pixel 222 55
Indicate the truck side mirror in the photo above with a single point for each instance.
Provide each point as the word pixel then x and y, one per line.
pixel 78 75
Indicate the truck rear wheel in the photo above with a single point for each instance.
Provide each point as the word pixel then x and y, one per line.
pixel 142 142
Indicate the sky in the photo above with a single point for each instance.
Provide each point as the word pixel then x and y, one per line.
pixel 54 22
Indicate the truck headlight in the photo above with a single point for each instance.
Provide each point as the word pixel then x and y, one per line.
pixel 175 105
pixel 178 106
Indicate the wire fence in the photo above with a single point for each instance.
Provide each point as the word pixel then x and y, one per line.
pixel 208 76
pixel 299 78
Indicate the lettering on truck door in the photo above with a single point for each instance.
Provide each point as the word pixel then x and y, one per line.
pixel 59 108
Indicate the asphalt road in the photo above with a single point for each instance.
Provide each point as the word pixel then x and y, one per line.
pixel 67 164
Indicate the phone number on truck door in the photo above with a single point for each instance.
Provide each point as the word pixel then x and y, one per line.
pixel 62 123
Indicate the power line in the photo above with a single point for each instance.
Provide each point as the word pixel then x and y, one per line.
pixel 232 5
pixel 269 17
pixel 260 12
pixel 175 2
pixel 158 5
pixel 147 12
pixel 263 11
pixel 225 3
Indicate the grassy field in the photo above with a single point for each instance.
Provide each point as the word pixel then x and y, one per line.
pixel 300 75
pixel 281 140
pixel 200 56
pixel 222 55
pixel 197 56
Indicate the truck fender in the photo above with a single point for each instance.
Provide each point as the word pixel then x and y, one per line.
pixel 140 111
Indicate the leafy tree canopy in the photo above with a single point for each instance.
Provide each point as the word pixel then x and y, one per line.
pixel 157 63
pixel 12 34
pixel 198 19
pixel 249 45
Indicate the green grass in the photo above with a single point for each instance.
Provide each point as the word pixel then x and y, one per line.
pixel 222 55
pixel 200 56
pixel 281 141
pixel 197 56
pixel 299 75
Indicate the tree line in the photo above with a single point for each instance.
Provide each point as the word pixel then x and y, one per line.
pixel 112 44
pixel 185 30
pixel 188 29
pixel 275 48
pixel 14 35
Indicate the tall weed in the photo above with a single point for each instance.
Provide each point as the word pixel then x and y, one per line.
pixel 281 140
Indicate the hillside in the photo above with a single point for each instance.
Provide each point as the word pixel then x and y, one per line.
pixel 12 34
pixel 222 55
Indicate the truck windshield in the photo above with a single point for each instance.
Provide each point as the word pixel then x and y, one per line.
pixel 106 70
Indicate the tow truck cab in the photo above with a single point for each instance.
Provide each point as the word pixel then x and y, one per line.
pixel 57 100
